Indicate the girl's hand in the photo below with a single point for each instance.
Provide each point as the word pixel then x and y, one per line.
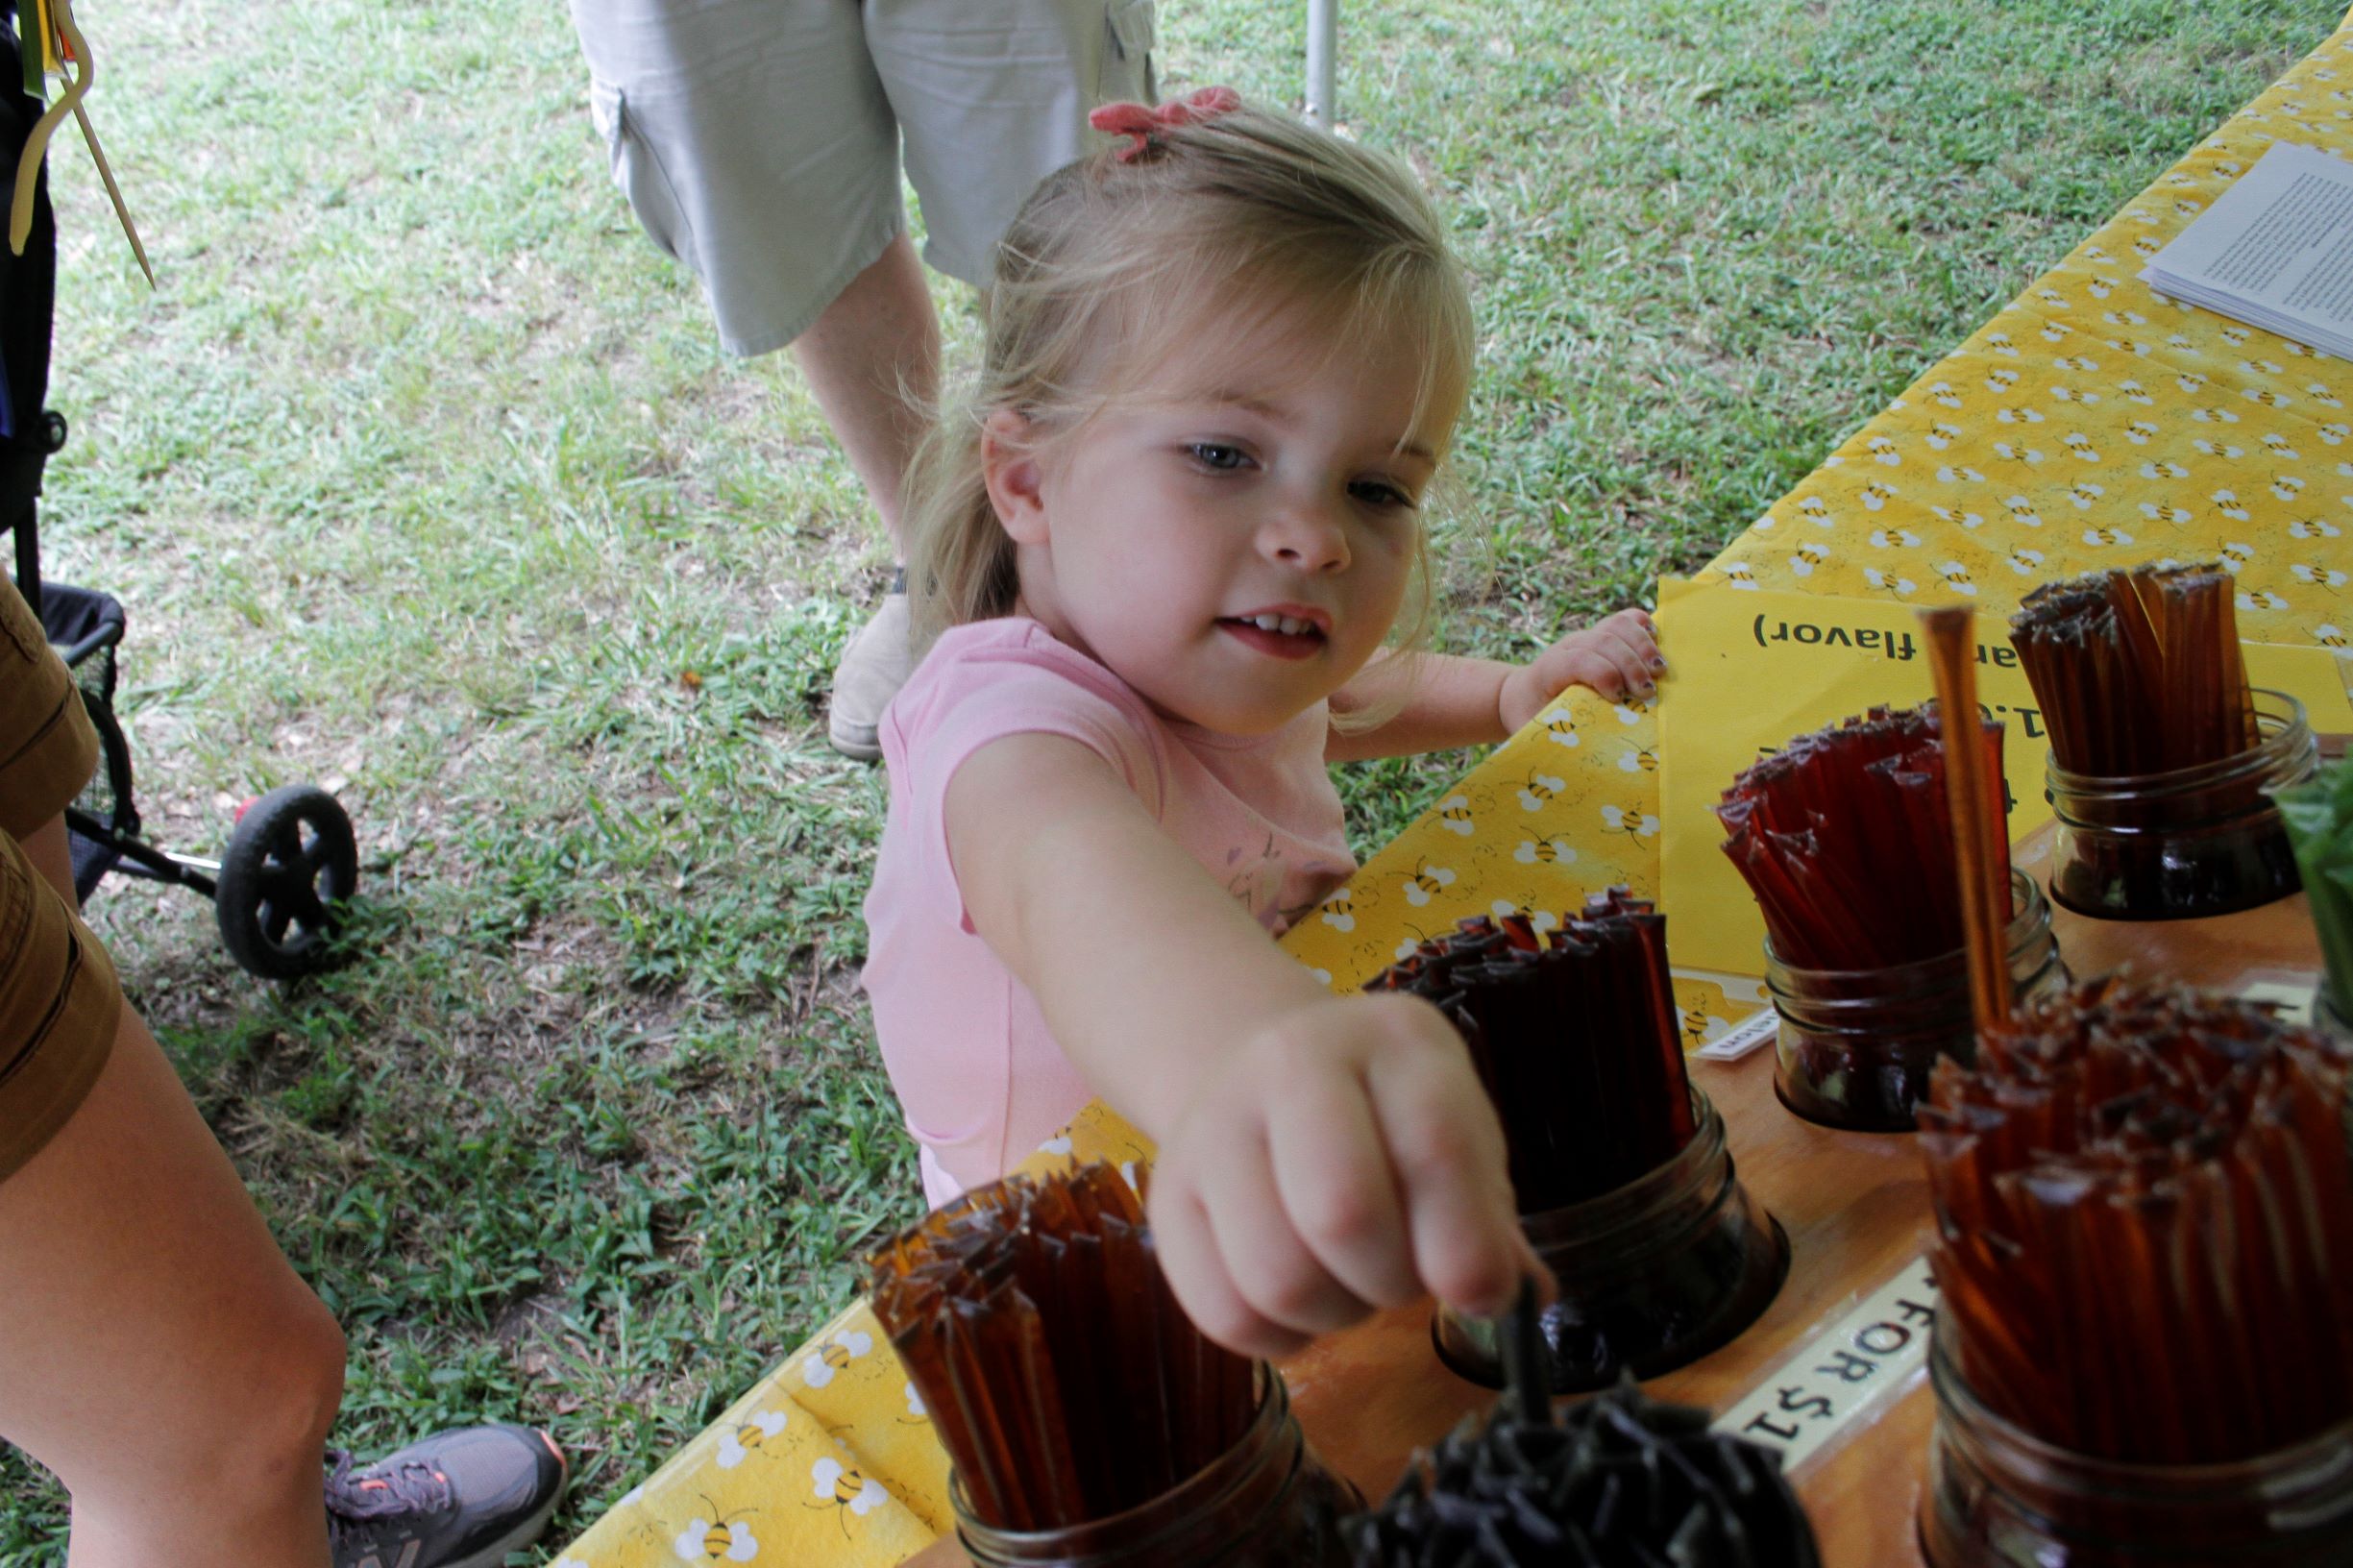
pixel 1617 657
pixel 1343 1160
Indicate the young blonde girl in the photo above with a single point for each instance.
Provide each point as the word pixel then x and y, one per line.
pixel 1159 556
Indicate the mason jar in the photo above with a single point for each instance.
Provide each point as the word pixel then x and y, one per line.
pixel 2196 841
pixel 1267 1502
pixel 1856 1046
pixel 1997 1497
pixel 1668 1267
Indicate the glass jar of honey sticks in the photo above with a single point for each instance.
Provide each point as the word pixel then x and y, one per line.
pixel 1264 1502
pixel 1997 1497
pixel 2196 841
pixel 1087 1418
pixel 1653 1275
pixel 1856 1046
pixel 2144 1239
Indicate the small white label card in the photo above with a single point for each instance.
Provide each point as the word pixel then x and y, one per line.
pixel 1839 1381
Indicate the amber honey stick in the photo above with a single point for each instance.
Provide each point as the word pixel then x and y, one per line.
pixel 1980 848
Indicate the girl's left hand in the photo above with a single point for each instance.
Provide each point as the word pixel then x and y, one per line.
pixel 1617 657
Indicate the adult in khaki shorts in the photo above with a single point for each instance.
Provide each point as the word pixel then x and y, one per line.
pixel 157 1351
pixel 760 143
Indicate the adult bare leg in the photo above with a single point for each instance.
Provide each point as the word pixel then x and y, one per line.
pixel 157 1351
pixel 873 359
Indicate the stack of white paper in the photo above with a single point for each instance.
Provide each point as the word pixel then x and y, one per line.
pixel 2276 252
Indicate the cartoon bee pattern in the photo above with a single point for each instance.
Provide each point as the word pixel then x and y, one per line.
pixel 1957 578
pixel 2106 538
pixel 1889 582
pixel 1637 759
pixel 2235 554
pixel 1455 816
pixel 1893 539
pixel 1700 1026
pixel 2287 487
pixel 840 1488
pixel 2085 494
pixel 2025 562
pixel 1340 911
pixel 1428 881
pixel 1808 556
pixel 834 1355
pixel 2329 637
pixel 1739 575
pixel 2313 527
pixel 1561 730
pixel 739 1442
pixel 2262 599
pixel 1545 852
pixel 1631 820
pixel 723 1538
pixel 2316 573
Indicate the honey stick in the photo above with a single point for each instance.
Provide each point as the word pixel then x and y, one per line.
pixel 1981 856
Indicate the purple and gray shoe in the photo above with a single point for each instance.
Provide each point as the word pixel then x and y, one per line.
pixel 461 1498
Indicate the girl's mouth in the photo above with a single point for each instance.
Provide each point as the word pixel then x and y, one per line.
pixel 1252 632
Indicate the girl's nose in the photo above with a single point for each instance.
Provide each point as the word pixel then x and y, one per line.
pixel 1306 536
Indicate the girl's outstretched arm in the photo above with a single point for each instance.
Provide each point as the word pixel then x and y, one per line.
pixel 1320 1156
pixel 1456 701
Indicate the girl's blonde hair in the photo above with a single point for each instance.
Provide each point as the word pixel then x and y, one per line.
pixel 1112 262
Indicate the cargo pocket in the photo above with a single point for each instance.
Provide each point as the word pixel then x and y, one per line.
pixel 1127 54
pixel 638 172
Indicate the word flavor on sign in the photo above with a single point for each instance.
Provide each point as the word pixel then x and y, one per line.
pixel 1840 1380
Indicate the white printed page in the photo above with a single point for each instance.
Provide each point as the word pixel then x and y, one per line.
pixel 2277 247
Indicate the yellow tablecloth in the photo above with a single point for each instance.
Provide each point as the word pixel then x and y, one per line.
pixel 2089 422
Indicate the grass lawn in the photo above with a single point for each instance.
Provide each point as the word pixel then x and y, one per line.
pixel 423 477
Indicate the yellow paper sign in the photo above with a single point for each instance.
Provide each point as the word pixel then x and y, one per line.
pixel 1754 669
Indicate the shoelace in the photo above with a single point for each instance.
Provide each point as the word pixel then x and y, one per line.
pixel 406 1487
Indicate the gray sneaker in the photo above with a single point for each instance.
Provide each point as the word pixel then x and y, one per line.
pixel 873 667
pixel 461 1498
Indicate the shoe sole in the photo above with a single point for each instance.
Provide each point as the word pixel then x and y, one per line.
pixel 494 1556
pixel 858 749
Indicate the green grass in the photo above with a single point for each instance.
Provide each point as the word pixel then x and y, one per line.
pixel 423 475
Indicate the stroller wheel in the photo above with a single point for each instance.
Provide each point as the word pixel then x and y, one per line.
pixel 291 863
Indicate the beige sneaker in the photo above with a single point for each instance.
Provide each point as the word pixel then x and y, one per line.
pixel 873 667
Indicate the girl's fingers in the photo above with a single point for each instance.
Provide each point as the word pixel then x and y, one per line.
pixel 1630 632
pixel 1448 1154
pixel 1335 1184
pixel 1196 1272
pixel 1610 668
pixel 1269 1263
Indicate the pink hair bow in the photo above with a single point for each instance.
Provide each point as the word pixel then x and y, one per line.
pixel 1139 122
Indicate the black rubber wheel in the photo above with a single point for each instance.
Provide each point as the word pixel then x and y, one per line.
pixel 291 863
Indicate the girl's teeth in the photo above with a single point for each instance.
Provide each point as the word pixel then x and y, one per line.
pixel 1283 624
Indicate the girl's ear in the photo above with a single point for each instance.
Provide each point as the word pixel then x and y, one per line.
pixel 1009 465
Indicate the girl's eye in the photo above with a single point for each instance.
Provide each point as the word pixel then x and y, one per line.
pixel 1218 454
pixel 1380 493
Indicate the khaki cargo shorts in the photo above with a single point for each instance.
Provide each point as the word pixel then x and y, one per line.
pixel 759 142
pixel 59 1000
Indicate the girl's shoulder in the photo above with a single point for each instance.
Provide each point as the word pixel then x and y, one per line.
pixel 1011 674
